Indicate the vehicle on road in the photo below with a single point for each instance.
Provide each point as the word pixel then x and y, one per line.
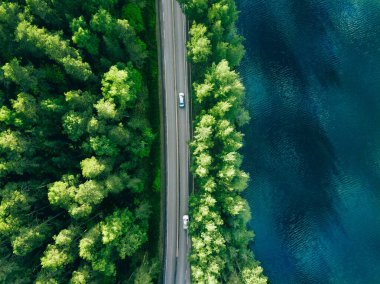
pixel 185 221
pixel 181 102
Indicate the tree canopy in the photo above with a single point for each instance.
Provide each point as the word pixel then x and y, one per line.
pixel 218 213
pixel 76 137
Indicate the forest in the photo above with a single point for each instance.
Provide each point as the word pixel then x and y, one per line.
pixel 79 129
pixel 219 214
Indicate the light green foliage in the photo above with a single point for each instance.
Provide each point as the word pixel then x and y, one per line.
pixel 29 238
pixel 6 116
pixel 9 13
pixel 26 108
pixel 81 211
pixel 253 274
pixel 14 202
pixel 79 100
pixel 83 37
pixel 14 149
pixel 46 278
pixel 81 276
pixel 199 45
pixel 74 125
pixel 96 126
pixel 204 162
pixel 20 75
pixel 102 22
pixel 222 92
pixel 60 254
pixel 103 146
pixel 55 48
pixel 92 167
pixel 62 193
pixel 225 12
pixel 225 81
pixel 12 141
pixel 203 91
pixel 218 214
pixel 122 85
pixel 106 108
pixel 90 193
pixel 203 135
pixel 234 205
pixel 118 236
pixel 208 243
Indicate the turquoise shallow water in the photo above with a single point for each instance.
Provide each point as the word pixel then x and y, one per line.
pixel 312 73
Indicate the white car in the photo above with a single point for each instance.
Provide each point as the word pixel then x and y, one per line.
pixel 181 100
pixel 185 221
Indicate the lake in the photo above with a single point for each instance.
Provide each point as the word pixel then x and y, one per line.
pixel 312 148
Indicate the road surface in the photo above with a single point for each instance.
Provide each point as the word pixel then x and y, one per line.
pixel 177 135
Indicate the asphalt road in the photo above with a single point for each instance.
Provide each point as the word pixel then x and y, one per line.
pixel 177 135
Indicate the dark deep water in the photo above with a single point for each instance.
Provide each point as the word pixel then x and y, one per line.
pixel 312 73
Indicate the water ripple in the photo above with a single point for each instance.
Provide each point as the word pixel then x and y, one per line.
pixel 312 148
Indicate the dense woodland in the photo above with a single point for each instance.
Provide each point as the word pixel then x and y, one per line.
pixel 79 165
pixel 219 214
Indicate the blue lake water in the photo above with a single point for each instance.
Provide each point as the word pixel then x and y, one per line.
pixel 312 74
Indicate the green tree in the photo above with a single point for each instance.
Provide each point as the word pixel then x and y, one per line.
pixel 62 193
pixel 54 47
pixel 106 109
pixel 75 140
pixel 199 45
pixel 63 251
pixel 29 238
pixel 44 11
pixel 74 124
pixel 83 37
pixel 147 272
pixel 195 8
pixel 132 12
pixel 92 167
pixel 118 236
pixel 122 85
pixel 220 240
pixel 253 274
pixel 224 11
pixel 20 75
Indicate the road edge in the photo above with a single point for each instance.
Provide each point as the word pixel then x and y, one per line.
pixel 161 105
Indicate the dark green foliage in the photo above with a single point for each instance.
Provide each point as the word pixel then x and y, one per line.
pixel 147 272
pixel 132 12
pixel 219 215
pixel 195 9
pixel 75 141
